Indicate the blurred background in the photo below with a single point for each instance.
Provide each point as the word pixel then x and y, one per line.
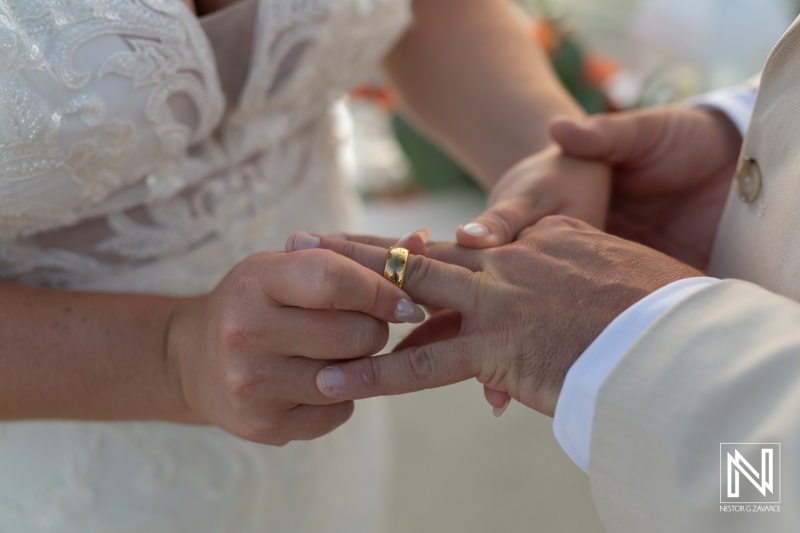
pixel 457 467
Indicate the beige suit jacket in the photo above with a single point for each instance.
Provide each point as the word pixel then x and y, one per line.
pixel 724 365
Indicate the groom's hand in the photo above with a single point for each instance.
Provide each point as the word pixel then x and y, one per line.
pixel 529 309
pixel 672 172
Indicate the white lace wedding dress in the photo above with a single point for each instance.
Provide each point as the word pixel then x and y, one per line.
pixel 144 149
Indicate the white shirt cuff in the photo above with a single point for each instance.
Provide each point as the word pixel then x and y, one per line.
pixel 574 416
pixel 736 102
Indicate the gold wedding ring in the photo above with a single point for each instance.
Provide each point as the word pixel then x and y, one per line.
pixel 396 265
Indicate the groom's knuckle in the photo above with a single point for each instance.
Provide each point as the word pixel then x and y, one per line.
pixel 351 250
pixel 478 287
pixel 371 373
pixel 558 223
pixel 345 248
pixel 417 271
pixel 421 364
pixel 551 221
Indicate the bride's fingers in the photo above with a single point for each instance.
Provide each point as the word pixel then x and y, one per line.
pixel 428 281
pixel 439 327
pixel 306 422
pixel 415 242
pixel 409 241
pixel 414 369
pixel 319 279
pixel 500 223
pixel 371 240
pixel 446 252
pixel 327 333
pixel 259 385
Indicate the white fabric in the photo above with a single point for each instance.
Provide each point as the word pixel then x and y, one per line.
pixel 143 150
pixel 573 420
pixel 736 102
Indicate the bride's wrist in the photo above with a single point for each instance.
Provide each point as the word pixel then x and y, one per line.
pixel 181 333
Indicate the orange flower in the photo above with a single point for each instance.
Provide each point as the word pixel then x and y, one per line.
pixel 382 96
pixel 597 68
pixel 544 32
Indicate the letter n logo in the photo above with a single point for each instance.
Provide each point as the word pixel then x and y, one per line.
pixel 750 472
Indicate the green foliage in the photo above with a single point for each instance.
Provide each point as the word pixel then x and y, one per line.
pixel 568 63
pixel 432 169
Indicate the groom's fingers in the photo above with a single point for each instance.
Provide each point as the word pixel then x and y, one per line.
pixel 410 370
pixel 414 241
pixel 442 325
pixel 427 281
pixel 446 252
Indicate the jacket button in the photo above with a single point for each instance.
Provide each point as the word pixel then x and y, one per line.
pixel 748 180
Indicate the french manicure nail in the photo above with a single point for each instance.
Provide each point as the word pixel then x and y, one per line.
pixel 498 411
pixel 407 311
pixel 475 229
pixel 304 241
pixel 331 377
pixel 424 234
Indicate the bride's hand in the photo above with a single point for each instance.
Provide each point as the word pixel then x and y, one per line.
pixel 246 355
pixel 546 183
pixel 529 309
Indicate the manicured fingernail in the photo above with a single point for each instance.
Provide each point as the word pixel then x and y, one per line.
pixel 330 377
pixel 498 411
pixel 304 241
pixel 424 234
pixel 407 311
pixel 475 229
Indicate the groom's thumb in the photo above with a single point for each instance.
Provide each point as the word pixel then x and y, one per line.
pixel 611 139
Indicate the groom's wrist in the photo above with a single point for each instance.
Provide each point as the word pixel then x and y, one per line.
pixel 574 413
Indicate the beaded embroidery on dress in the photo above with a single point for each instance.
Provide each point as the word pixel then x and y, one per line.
pixel 142 149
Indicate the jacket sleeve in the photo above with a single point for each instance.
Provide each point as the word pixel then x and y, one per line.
pixel 723 366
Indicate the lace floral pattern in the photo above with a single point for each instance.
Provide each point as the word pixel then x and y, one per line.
pixel 177 171
pixel 209 210
pixel 48 73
